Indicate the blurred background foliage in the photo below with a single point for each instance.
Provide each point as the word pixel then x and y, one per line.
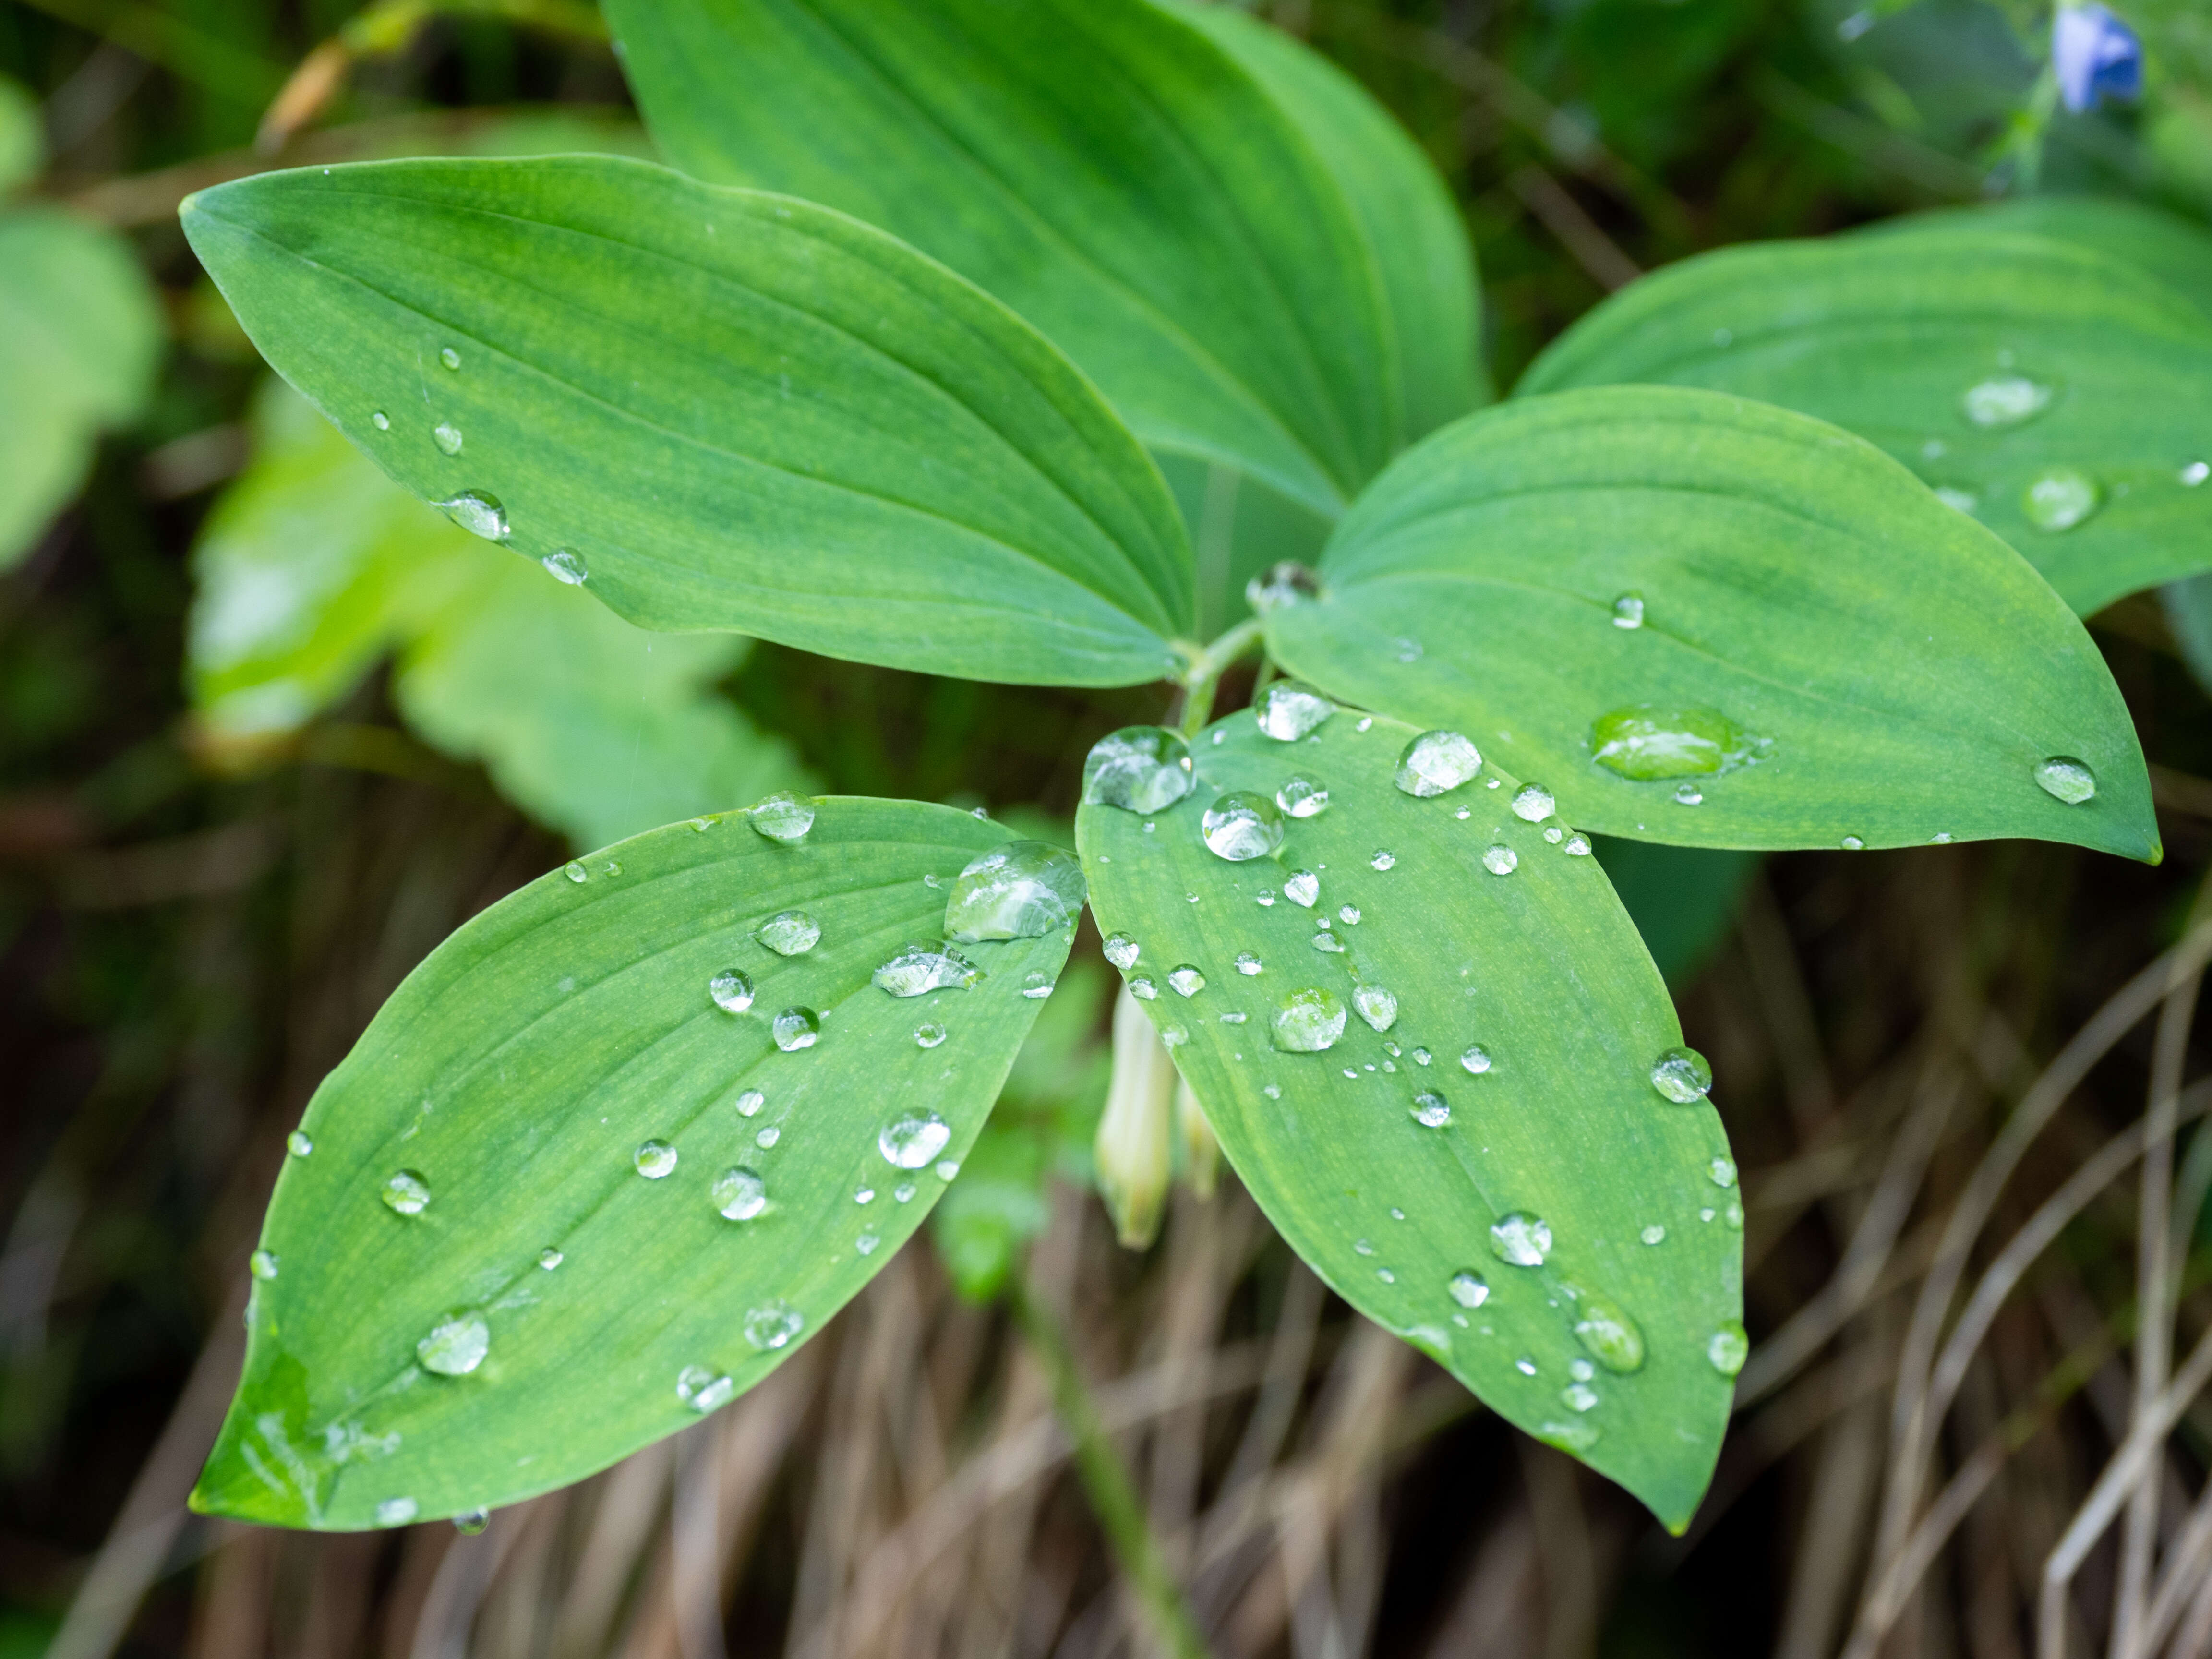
pixel 269 729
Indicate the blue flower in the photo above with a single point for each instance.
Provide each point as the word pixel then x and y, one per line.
pixel 2096 56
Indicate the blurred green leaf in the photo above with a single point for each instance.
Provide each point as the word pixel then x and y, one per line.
pixel 2056 393
pixel 518 1076
pixel 1554 1119
pixel 737 412
pixel 84 335
pixel 1682 899
pixel 2176 250
pixel 1843 655
pixel 1103 167
pixel 313 567
pixel 22 141
pixel 1239 529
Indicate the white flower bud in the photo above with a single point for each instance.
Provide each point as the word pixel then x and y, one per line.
pixel 1134 1149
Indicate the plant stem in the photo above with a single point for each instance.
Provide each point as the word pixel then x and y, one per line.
pixel 1203 674
pixel 1106 1483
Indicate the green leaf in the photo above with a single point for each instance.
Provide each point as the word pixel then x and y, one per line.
pixel 1845 656
pixel 313 566
pixel 739 412
pixel 1102 166
pixel 517 1073
pixel 84 335
pixel 2176 250
pixel 1542 969
pixel 2032 381
pixel 22 143
pixel 1681 899
pixel 1239 529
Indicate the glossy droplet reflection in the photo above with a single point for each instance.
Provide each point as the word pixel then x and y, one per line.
pixel 1122 951
pixel 2005 400
pixel 447 437
pixel 928 1035
pixel 1728 1348
pixel 2064 778
pixel 1469 1289
pixel 1186 981
pixel 1248 964
pixel 1243 825
pixel 457 1344
pixel 790 933
pixel 1475 1059
pixel 1652 740
pixel 739 1194
pixel 263 1264
pixel 406 1193
pixel 1139 769
pixel 1521 1239
pixel 1435 764
pixel 732 990
pixel 1533 803
pixel 918 969
pixel 1682 1075
pixel 774 1326
pixel 566 565
pixel 782 817
pixel 703 1388
pixel 1376 1004
pixel 477 512
pixel 1628 610
pixel 913 1140
pixel 1023 890
pixel 2060 497
pixel 1302 796
pixel 655 1159
pixel 1289 709
pixel 298 1144
pixel 1308 1021
pixel 1500 859
pixel 795 1029
pixel 1430 1110
pixel 1302 887
pixel 1605 1328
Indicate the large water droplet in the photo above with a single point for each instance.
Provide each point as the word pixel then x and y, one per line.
pixel 1375 1005
pixel 395 1511
pixel 1435 764
pixel 1430 1110
pixel 1308 1020
pixel 739 1194
pixel 1469 1289
pixel 1608 1333
pixel 263 1264
pixel 457 1344
pixel 298 1144
pixel 406 1193
pixel 1682 1075
pixel 1533 803
pixel 913 1139
pixel 2059 497
pixel 703 1388
pixel 2005 400
pixel 655 1159
pixel 918 969
pixel 1524 1240
pixel 1247 963
pixel 790 933
pixel 1303 797
pixel 1476 1059
pixel 1500 859
pixel 1728 1348
pixel 732 989
pixel 782 816
pixel 447 437
pixel 1651 741
pixel 1289 709
pixel 1139 769
pixel 1628 610
pixel 795 1029
pixel 2066 779
pixel 1024 890
pixel 478 513
pixel 1186 980
pixel 1302 887
pixel 1243 825
pixel 565 564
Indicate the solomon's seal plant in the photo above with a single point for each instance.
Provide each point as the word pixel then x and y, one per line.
pixel 1781 548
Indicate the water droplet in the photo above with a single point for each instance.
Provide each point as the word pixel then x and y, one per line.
pixel 1649 741
pixel 1328 944
pixel 1688 795
pixel 1682 1075
pixel 1308 1020
pixel 1302 887
pixel 1247 963
pixel 2066 779
pixel 575 872
pixel 1037 984
pixel 1172 1033
pixel 1500 859
pixel 1654 1234
pixel 1728 1348
pixel 2194 474
pixel 1284 583
pixel 2059 497
pixel 457 1344
pixel 751 1101
pixel 1420 1056
pixel 406 1193
pixel 703 1388
pixel 549 1258
pixel 1143 986
pixel 1244 825
pixel 1289 709
pixel 732 990
pixel 865 1243
pixel 1377 1005
pixel 1273 1090
pixel 477 513
pixel 1187 981
pixel 1435 764
pixel 1578 1396
pixel 1941 838
pixel 451 358
pixel 1384 859
pixel 904 1192
pixel 1628 610
pixel 447 437
pixel 928 1035
pixel 380 421
pixel 1023 890
pixel 1853 844
pixel 1722 1171
pixel 1958 499
pixel 262 1264
pixel 774 1326
pixel 918 969
pixel 1577 846
pixel 739 1194
pixel 1733 1214
pixel 2005 400
pixel 1407 649
pixel 610 868
pixel 1234 1016
pixel 1303 797
pixel 655 1159
pixel 1610 1333
pixel 565 564
pixel 795 1029
pixel 1476 1059
pixel 790 933
pixel 1469 1290
pixel 1533 803
pixel 1139 769
pixel 1525 1366
pixel 1430 1110
pixel 471 1523
pixel 947 1168
pixel 395 1511
pixel 1522 1240
pixel 913 1139
pixel 298 1144
pixel 782 816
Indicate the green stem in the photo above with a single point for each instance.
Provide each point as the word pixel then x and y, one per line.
pixel 1203 677
pixel 1106 1483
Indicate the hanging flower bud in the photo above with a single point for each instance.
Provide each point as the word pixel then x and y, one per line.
pixel 1134 1149
pixel 2095 56
pixel 1201 1152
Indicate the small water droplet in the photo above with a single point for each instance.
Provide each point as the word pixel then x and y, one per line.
pixel 1328 944
pixel 704 1388
pixel 1682 1075
pixel 1289 709
pixel 1022 890
pixel 1733 1215
pixel 1139 769
pixel 1435 764
pixel 1500 859
pixel 1941 838
pixel 655 1159
pixel 947 1168
pixel 1475 1059
pixel 739 1194
pixel 795 1029
pixel 904 1192
pixel 1273 1090
pixel 1577 846
pixel 1384 859
pixel 782 816
pixel 1533 803
pixel 565 564
pixel 1605 1328
pixel 1525 1366
pixel 1578 1396
pixel 1377 1005
pixel 1728 1348
pixel 549 1258
pixel 1628 610
pixel 790 933
pixel 447 437
pixel 1654 1234
pixel 298 1144
pixel 732 990
pixel 865 1243
pixel 1722 1171
pixel 478 513
pixel 1853 844
pixel 2005 400
pixel 2060 497
pixel 1122 951
pixel 2194 474
pixel 1187 981
pixel 395 1511
pixel 1243 825
pixel 1407 649
pixel 574 870
pixel 457 1344
pixel 469 1523
pixel 1302 796
pixel 406 1193
pixel 1469 1289
pixel 1308 1021
pixel 1143 986
pixel 1430 1110
pixel 1420 1056
pixel 774 1326
pixel 751 1101
pixel 1649 740
pixel 380 421
pixel 2064 778
pixel 262 1264
pixel 918 969
pixel 451 358
pixel 1247 963
pixel 1037 984
pixel 913 1139
pixel 1958 499
pixel 1302 887
pixel 1524 1240
pixel 928 1035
